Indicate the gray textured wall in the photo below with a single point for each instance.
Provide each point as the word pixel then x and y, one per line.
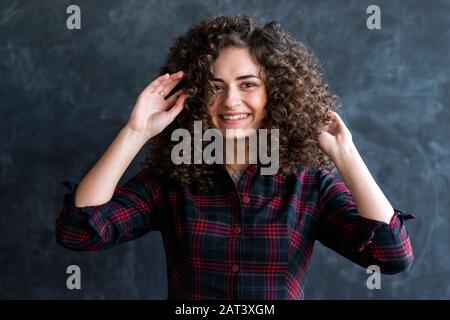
pixel 65 94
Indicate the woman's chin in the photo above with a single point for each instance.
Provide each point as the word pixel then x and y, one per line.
pixel 238 133
pixel 235 131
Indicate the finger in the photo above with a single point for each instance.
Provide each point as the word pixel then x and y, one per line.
pixel 166 80
pixel 337 118
pixel 156 82
pixel 334 121
pixel 338 124
pixel 167 85
pixel 328 119
pixel 329 115
pixel 171 100
pixel 177 107
pixel 325 135
pixel 326 128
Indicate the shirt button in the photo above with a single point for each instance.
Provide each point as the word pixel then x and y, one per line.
pixel 235 268
pixel 245 199
pixel 237 230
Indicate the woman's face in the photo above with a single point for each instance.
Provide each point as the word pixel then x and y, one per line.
pixel 240 92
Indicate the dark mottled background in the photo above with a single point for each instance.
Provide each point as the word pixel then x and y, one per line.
pixel 66 94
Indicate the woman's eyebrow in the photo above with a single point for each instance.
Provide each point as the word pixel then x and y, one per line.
pixel 239 78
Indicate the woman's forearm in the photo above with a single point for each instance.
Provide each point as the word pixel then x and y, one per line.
pixel 98 186
pixel 150 115
pixel 369 199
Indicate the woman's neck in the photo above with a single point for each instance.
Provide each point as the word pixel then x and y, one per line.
pixel 238 155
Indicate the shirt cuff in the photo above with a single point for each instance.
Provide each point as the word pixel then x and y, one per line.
pixel 96 215
pixel 368 228
pixel 398 221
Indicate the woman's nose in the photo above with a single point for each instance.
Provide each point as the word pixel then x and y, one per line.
pixel 232 99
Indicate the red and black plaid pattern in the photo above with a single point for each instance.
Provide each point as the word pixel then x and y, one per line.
pixel 250 242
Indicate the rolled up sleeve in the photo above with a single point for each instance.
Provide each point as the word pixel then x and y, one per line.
pixel 361 240
pixel 134 210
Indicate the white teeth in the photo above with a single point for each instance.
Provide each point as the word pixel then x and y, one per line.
pixel 236 117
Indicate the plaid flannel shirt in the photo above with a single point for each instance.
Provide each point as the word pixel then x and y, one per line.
pixel 253 241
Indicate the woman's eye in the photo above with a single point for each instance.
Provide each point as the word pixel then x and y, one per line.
pixel 248 85
pixel 245 85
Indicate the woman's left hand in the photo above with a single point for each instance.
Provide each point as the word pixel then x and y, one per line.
pixel 335 137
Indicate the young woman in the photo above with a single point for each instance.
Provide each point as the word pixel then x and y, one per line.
pixel 229 231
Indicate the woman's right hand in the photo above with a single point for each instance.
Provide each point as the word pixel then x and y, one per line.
pixel 152 113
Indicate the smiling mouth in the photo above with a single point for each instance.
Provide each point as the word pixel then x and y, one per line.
pixel 240 116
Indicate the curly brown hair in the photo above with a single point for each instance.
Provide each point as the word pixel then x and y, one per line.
pixel 298 99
